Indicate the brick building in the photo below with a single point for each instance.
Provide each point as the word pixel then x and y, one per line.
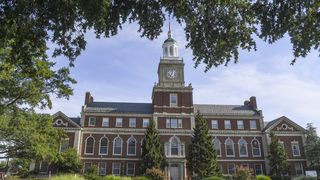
pixel 109 134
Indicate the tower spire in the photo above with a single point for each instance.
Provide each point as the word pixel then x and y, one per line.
pixel 169 32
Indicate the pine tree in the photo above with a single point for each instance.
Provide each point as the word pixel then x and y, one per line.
pixel 152 152
pixel 312 147
pixel 202 158
pixel 277 157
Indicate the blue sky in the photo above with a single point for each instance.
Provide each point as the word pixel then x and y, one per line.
pixel 124 68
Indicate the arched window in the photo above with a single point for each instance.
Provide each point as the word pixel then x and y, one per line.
pixel 174 147
pixel 229 147
pixel 103 146
pixel 217 146
pixel 89 145
pixel 171 50
pixel 243 149
pixel 131 144
pixel 117 146
pixel 255 144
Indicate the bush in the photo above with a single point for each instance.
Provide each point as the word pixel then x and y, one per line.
pixel 117 178
pixel 67 177
pixel 140 178
pixel 227 176
pixel 242 173
pixel 92 174
pixel 305 178
pixel 280 178
pixel 262 177
pixel 155 174
pixel 213 178
pixel 68 162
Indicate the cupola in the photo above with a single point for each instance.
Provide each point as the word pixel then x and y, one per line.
pixel 170 47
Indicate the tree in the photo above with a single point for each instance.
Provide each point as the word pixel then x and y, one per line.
pixel 68 162
pixel 312 147
pixel 152 152
pixel 202 158
pixel 277 157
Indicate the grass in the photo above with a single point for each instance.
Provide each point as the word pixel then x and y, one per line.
pixel 68 177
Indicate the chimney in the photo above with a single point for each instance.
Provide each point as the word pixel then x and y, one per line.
pixel 88 98
pixel 253 103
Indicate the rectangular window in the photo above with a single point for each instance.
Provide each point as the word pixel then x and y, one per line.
pixel 102 168
pixel 132 122
pixel 173 100
pixel 299 169
pixel 119 122
pixel 174 123
pixel 214 124
pixel 145 123
pixel 179 123
pixel 116 168
pixel 227 124
pixel 295 149
pixel 64 144
pixel 253 124
pixel 87 167
pixel 43 167
pixel 130 169
pixel 105 122
pixel 168 123
pixel 231 169
pixel 240 124
pixel 92 121
pixel 258 169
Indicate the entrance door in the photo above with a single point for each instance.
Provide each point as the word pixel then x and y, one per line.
pixel 174 172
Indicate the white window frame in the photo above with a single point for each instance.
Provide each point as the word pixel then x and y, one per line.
pixel 46 167
pixel 85 146
pixel 113 168
pixel 255 124
pixel 240 124
pixel 234 168
pixel 105 122
pixel 118 121
pixel 170 123
pixel 296 170
pixel 135 146
pixel 225 124
pixel 104 169
pixel 233 155
pixel 134 168
pixel 172 104
pixel 216 123
pixel 255 169
pixel 214 145
pixel 293 144
pixel 84 166
pixel 253 155
pixel 90 120
pixel 104 137
pixel 246 146
pixel 179 123
pixel 63 142
pixel 145 122
pixel 113 148
pixel 132 122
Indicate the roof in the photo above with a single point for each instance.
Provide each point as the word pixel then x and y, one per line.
pixel 124 107
pixel 270 123
pixel 224 109
pixel 75 119
pixel 170 40
pixel 275 122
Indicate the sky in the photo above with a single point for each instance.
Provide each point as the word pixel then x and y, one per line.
pixel 123 68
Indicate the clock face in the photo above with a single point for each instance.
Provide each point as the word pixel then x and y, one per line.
pixel 171 73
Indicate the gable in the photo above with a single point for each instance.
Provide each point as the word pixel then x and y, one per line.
pixel 284 124
pixel 61 120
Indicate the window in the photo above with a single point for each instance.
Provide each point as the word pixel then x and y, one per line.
pixel 299 169
pixel 295 148
pixel 171 50
pixel 229 147
pixel 227 124
pixel 118 122
pixel 102 168
pixel 89 145
pixel 132 122
pixel 103 146
pixel 87 167
pixel 131 143
pixel 145 123
pixel 130 169
pixel 243 150
pixel 231 169
pixel 217 146
pixel 258 169
pixel 240 124
pixel 92 121
pixel 214 124
pixel 116 168
pixel 173 100
pixel 117 146
pixel 179 123
pixel 64 144
pixel 174 123
pixel 43 167
pixel 174 147
pixel 253 124
pixel 255 145
pixel 105 122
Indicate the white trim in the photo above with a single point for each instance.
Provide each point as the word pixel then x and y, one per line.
pixel 113 164
pixel 234 168
pixel 113 147
pixel 298 146
pixel 176 103
pixel 135 122
pixel 225 124
pixel 225 143
pixel 246 146
pixel 135 146
pixel 107 120
pixel 105 168
pixel 214 120
pixel 216 139
pixel 134 169
pixel 103 137
pixel 143 121
pixel 255 170
pixel 255 139
pixel 85 145
pixel 238 121
pixel 119 118
pixel 255 122
pixel 94 120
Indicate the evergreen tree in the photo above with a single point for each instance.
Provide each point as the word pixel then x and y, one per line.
pixel 277 157
pixel 152 152
pixel 312 147
pixel 202 158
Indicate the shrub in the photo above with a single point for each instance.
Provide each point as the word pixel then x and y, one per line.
pixel 155 174
pixel 242 173
pixel 213 178
pixel 305 178
pixel 92 174
pixel 280 178
pixel 67 177
pixel 262 177
pixel 117 178
pixel 140 178
pixel 227 176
